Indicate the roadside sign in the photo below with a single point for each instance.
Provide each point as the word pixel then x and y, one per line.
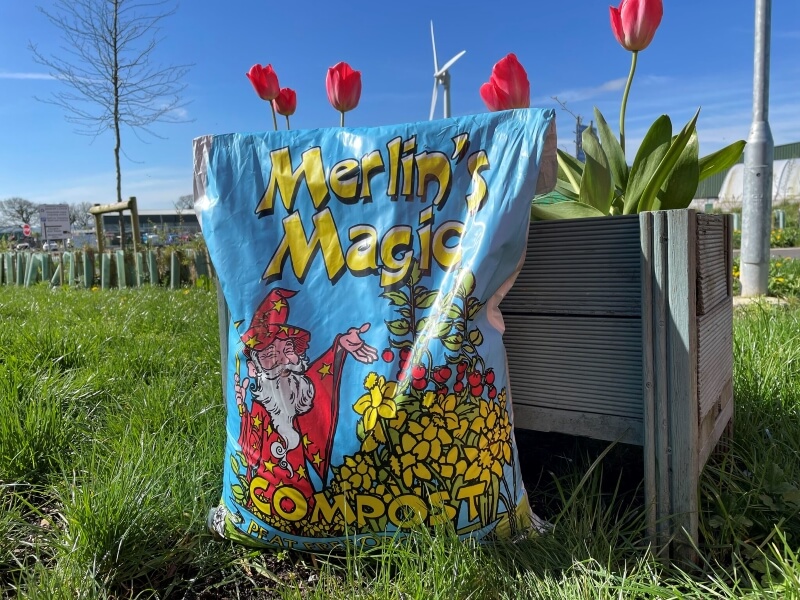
pixel 55 221
pixel 26 230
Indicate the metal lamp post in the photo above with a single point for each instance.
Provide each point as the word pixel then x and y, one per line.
pixel 758 156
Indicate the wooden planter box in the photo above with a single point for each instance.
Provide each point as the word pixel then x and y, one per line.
pixel 622 329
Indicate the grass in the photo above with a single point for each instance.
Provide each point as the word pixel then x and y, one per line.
pixel 784 277
pixel 111 450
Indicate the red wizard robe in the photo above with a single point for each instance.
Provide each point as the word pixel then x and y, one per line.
pixel 316 429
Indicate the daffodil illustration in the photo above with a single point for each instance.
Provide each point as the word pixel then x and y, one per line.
pixel 444 415
pixel 483 464
pixel 414 458
pixel 378 401
pixel 358 471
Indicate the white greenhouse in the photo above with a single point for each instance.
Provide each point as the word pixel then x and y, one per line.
pixel 785 184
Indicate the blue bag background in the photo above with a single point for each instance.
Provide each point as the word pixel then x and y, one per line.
pixel 367 386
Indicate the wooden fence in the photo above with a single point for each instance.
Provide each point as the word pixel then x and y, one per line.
pixel 110 270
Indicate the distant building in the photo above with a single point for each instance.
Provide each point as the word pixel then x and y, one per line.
pixel 162 222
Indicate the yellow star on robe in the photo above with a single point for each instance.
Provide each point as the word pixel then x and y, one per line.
pixel 269 465
pixel 306 441
pixel 301 472
pixel 252 342
pixel 316 459
pixel 278 305
pixel 324 370
pixel 257 422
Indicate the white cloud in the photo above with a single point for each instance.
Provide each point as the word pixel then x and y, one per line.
pixel 580 94
pixel 27 76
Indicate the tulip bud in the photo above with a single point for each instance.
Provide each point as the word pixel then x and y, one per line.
pixel 634 22
pixel 265 82
pixel 286 102
pixel 343 85
pixel 508 87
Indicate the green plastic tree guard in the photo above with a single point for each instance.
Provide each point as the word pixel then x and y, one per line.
pixel 121 273
pixel 175 271
pixel 105 271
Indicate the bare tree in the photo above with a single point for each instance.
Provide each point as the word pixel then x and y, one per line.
pixel 108 64
pixel 16 211
pixel 184 203
pixel 79 216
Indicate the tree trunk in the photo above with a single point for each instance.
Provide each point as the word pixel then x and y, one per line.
pixel 117 142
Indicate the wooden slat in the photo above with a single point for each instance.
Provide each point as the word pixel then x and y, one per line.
pixel 722 421
pixel 648 384
pixel 580 267
pixel 660 432
pixel 714 354
pixel 682 356
pixel 712 260
pixel 589 364
pixel 603 427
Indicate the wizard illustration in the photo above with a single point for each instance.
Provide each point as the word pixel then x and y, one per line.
pixel 289 425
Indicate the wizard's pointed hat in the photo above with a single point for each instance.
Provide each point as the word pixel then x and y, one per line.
pixel 269 324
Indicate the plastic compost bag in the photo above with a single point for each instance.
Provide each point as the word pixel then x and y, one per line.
pixel 365 377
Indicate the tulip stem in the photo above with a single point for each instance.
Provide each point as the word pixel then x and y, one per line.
pixel 287 122
pixel 634 55
pixel 341 118
pixel 274 118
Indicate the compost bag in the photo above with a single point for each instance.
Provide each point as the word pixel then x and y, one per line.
pixel 364 371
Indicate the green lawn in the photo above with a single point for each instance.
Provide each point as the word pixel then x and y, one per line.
pixel 111 449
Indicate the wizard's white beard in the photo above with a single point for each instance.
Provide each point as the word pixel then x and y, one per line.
pixel 284 396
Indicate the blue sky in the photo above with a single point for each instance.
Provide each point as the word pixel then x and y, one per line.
pixel 702 55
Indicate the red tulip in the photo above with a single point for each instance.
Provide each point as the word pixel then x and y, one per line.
pixel 286 102
pixel 344 87
pixel 508 87
pixel 635 22
pixel 265 82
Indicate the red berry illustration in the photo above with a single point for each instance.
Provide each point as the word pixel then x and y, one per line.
pixel 388 355
pixel 437 376
pixel 462 366
pixel 489 377
pixel 419 384
pixel 476 390
pixel 445 372
pixel 492 392
pixel 418 372
pixel 475 378
pixel 442 390
pixel 458 387
pixel 405 353
pixel 401 376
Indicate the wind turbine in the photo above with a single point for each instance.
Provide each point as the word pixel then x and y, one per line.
pixel 442 76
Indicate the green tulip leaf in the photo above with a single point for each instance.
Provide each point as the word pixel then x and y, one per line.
pixel 570 169
pixel 616 157
pixel 563 210
pixel 651 152
pixel 681 183
pixel 667 164
pixel 721 159
pixel 565 189
pixel 596 187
